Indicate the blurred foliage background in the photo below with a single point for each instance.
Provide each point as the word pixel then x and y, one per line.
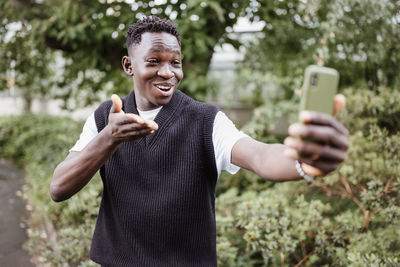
pixel 71 50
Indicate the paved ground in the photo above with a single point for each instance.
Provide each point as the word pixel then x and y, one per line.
pixel 12 216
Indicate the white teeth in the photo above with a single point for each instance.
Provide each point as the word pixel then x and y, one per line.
pixel 162 87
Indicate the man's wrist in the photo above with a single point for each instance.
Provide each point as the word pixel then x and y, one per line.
pixel 108 137
pixel 304 175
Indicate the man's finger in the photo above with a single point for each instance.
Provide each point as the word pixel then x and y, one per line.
pixel 117 104
pixel 319 133
pixel 311 117
pixel 339 103
pixel 314 150
pixel 152 125
pixel 133 127
pixel 310 170
pixel 133 118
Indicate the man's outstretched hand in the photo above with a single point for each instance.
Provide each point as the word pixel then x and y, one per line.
pixel 127 126
pixel 329 146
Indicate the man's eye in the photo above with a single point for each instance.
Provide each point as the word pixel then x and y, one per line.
pixel 152 61
pixel 176 62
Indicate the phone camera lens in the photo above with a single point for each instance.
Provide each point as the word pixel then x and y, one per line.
pixel 314 79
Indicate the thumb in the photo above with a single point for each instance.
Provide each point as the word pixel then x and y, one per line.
pixel 308 169
pixel 339 103
pixel 117 104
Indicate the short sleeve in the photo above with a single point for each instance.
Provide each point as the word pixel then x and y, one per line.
pixel 225 135
pixel 89 132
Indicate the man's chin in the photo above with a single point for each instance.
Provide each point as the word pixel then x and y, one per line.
pixel 163 101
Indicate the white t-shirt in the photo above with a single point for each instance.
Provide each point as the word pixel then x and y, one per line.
pixel 224 136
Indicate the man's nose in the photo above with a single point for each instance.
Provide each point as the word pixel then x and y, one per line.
pixel 165 72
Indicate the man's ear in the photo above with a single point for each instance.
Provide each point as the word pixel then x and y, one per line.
pixel 127 65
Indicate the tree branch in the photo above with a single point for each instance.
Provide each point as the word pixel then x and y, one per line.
pixel 304 259
pixel 350 193
pixel 324 187
pixel 388 184
pixel 303 248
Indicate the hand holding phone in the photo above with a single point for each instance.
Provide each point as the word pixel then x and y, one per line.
pixel 319 140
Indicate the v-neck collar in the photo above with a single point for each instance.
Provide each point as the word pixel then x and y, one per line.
pixel 163 117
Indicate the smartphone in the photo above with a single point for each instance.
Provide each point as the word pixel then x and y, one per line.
pixel 319 89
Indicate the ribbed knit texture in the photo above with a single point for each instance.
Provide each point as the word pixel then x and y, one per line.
pixel 158 200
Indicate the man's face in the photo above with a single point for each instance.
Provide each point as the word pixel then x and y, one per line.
pixel 157 69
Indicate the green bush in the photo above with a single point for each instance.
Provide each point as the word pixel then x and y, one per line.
pixel 60 233
pixel 349 218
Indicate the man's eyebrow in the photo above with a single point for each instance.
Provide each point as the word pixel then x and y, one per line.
pixel 156 50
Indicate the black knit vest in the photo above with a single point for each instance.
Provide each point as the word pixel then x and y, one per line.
pixel 158 199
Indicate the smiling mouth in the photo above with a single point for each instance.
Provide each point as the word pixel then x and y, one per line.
pixel 164 87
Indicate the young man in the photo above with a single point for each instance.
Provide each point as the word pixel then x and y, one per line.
pixel 161 155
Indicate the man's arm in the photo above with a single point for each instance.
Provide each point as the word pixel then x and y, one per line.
pixel 78 168
pixel 276 162
pixel 72 174
pixel 267 160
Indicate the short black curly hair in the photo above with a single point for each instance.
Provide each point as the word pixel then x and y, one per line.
pixel 149 24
